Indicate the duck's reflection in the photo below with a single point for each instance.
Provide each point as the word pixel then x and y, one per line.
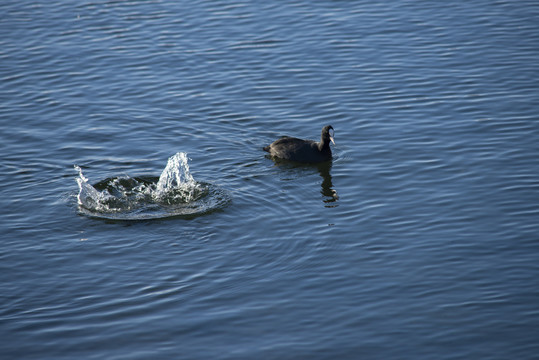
pixel 328 192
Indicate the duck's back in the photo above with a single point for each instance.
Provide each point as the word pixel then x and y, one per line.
pixel 294 149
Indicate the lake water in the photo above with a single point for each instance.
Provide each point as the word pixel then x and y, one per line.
pixel 419 241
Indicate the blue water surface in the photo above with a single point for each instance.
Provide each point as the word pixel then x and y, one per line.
pixel 419 241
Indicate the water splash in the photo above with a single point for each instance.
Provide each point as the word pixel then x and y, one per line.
pixel 174 193
pixel 176 179
pixel 89 197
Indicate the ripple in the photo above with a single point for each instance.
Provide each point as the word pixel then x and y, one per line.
pixel 435 169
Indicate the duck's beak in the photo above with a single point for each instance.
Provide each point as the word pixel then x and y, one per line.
pixel 332 140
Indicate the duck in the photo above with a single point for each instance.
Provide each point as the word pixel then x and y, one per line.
pixel 304 151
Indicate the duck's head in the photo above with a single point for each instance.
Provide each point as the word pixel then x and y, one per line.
pixel 328 134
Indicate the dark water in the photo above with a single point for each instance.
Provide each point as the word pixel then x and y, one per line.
pixel 419 241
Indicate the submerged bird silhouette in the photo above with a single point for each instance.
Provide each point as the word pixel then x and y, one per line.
pixel 307 151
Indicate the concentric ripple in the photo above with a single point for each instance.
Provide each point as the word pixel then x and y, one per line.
pixel 174 194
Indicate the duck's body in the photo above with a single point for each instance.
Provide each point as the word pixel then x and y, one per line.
pixel 307 151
